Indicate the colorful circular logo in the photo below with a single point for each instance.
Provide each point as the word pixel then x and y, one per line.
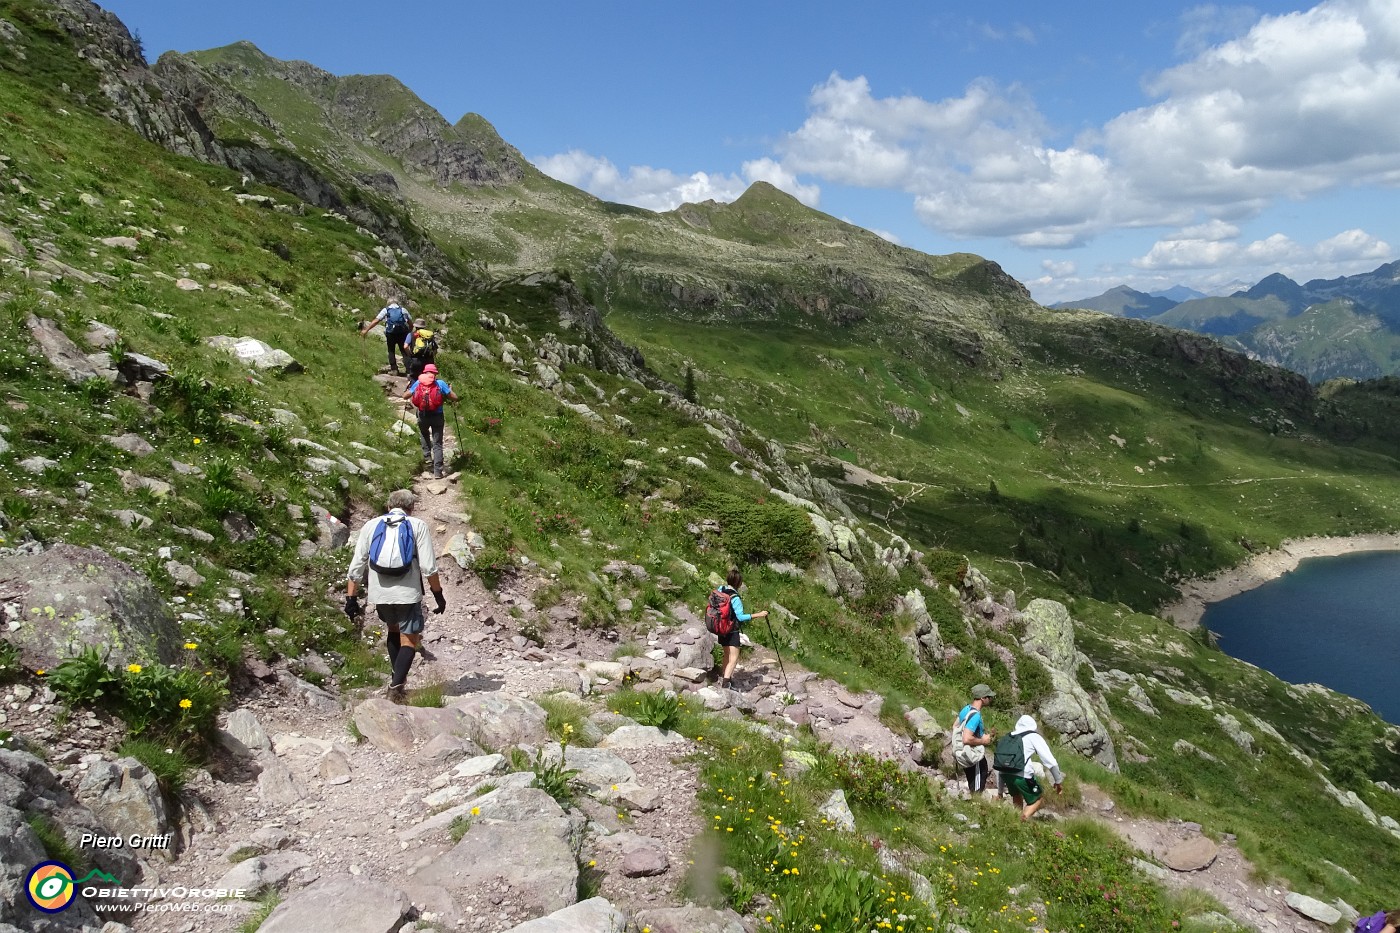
pixel 50 886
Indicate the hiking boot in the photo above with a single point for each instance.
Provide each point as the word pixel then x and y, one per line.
pixel 726 683
pixel 397 694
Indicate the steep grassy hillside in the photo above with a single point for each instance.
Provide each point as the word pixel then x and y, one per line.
pixel 1069 456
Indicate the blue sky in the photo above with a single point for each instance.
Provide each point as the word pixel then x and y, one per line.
pixel 1080 145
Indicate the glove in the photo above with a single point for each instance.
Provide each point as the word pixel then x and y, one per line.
pixel 441 601
pixel 352 607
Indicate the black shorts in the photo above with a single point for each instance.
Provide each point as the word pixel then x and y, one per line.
pixel 731 640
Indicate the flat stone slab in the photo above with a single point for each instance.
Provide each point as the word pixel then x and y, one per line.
pixel 1195 854
pixel 1313 909
pixel 345 904
pixel 640 737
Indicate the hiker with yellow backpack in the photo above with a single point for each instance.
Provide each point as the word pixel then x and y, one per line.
pixel 419 349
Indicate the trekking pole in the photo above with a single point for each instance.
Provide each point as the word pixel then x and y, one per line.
pixel 774 637
pixel 403 417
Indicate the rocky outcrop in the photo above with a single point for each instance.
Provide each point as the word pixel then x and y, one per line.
pixel 1069 710
pixel 126 796
pixel 66 598
pixel 343 903
pixel 256 354
pixel 30 791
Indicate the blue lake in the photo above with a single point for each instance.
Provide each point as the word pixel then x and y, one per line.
pixel 1333 621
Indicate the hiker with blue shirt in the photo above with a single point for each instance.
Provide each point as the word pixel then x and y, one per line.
pixel 398 324
pixel 732 640
pixel 428 395
pixel 971 738
pixel 393 554
pixel 1025 790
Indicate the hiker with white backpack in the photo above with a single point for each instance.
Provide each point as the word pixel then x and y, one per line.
pixel 1016 773
pixel 393 554
pixel 971 737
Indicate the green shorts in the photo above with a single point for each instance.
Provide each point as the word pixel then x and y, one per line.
pixel 1027 788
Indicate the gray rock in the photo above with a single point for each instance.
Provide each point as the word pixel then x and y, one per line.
pixel 512 801
pixel 70 597
pixel 642 856
pixel 598 769
pixel 1195 854
pixel 837 812
pixel 1069 710
pixel 244 726
pixel 255 353
pixel 343 903
pixel 689 920
pixel 641 737
pixel 278 788
pixel 64 355
pixel 595 915
pixel 126 796
pixel 100 336
pixel 37 465
pixel 534 860
pixel 498 720
pixel 264 872
pixel 184 574
pixel 1313 909
pixel 133 444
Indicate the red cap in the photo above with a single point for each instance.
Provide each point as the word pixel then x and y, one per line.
pixel 430 368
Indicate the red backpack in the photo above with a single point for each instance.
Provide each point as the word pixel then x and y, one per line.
pixel 719 614
pixel 427 396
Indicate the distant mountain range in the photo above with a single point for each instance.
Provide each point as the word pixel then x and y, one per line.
pixel 1324 328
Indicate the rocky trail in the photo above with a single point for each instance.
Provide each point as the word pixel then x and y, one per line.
pixel 362 816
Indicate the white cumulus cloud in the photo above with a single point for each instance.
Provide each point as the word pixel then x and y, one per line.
pixel 661 189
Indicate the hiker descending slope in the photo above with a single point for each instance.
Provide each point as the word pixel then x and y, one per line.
pixel 971 738
pixel 1380 922
pixel 724 613
pixel 393 553
pixel 398 324
pixel 1012 762
pixel 420 349
pixel 428 395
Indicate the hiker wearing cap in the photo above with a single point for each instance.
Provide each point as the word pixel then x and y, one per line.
pixel 398 324
pixel 392 555
pixel 1023 742
pixel 428 395
pixel 419 349
pixel 971 738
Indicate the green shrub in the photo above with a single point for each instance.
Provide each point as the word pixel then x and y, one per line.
pixel 1086 876
pixel 754 532
pixel 429 696
pixel 660 709
pixel 946 567
pixel 868 780
pixel 171 764
pixel 170 701
pixel 10 668
pixel 85 680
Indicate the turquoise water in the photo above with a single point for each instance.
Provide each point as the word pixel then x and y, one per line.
pixel 1333 621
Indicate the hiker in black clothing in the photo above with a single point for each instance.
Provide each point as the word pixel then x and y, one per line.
pixel 398 324
pixel 419 349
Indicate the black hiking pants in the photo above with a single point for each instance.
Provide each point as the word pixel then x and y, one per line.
pixel 430 426
pixel 977 776
pixel 393 337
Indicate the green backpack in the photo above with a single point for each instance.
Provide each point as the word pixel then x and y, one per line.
pixel 1010 754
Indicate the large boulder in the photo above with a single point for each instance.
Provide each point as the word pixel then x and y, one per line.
pixel 67 598
pixel 1069 710
pixel 498 720
pixel 689 919
pixel 342 903
pixel 528 866
pixel 256 354
pixel 928 640
pixel 595 915
pixel 65 356
pixel 126 796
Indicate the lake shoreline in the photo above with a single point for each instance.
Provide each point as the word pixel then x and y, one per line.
pixel 1196 594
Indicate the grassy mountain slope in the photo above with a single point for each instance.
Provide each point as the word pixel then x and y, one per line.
pixel 1069 455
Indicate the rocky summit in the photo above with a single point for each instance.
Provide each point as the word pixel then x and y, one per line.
pixel 926 481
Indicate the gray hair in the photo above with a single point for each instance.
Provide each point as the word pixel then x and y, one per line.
pixel 402 499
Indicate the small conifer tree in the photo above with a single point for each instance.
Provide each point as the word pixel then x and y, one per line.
pixel 688 392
